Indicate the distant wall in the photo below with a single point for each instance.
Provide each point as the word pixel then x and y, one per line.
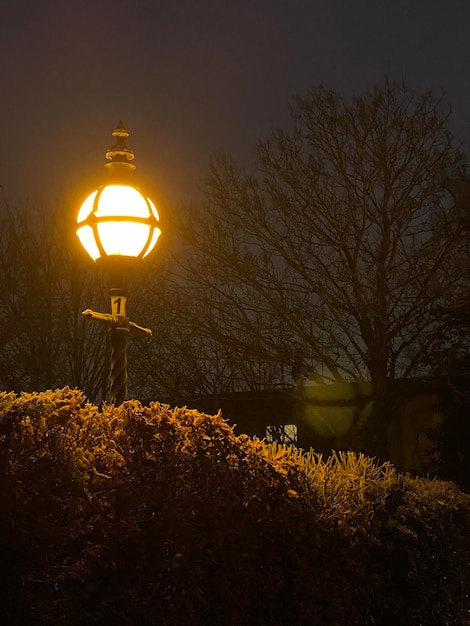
pixel 326 415
pixel 411 438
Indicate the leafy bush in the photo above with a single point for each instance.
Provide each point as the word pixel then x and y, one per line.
pixel 147 515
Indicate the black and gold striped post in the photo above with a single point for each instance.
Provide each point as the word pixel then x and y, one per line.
pixel 119 327
pixel 118 339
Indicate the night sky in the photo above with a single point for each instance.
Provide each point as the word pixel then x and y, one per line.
pixel 192 77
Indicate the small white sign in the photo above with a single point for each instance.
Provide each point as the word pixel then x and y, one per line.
pixel 282 433
pixel 118 305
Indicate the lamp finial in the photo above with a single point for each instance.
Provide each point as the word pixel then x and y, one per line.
pixel 119 155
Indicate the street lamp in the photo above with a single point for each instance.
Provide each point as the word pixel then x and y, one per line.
pixel 118 226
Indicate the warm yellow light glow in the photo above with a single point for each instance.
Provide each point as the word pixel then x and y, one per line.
pixel 117 220
pixel 332 408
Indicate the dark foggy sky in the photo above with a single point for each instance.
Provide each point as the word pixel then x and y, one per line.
pixel 193 77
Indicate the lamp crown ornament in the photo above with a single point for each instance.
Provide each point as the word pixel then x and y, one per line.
pixel 120 155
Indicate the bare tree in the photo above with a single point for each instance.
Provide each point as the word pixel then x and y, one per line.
pixel 180 361
pixel 331 256
pixel 45 286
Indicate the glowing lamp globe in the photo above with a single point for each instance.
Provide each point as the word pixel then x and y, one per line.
pixel 117 219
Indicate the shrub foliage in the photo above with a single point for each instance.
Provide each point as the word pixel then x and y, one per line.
pixel 148 515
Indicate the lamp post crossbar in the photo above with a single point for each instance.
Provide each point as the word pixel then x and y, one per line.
pixel 119 327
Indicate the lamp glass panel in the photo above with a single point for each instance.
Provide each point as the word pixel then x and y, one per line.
pixel 123 238
pixel 154 208
pixel 86 208
pixel 122 200
pixel 87 239
pixel 155 235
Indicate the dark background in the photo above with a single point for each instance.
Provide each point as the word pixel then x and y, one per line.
pixel 190 78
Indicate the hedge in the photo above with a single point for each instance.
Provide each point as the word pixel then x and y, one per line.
pixel 151 515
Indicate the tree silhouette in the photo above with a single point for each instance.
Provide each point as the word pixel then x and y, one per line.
pixel 331 256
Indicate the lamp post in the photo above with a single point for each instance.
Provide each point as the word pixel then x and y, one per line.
pixel 118 226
